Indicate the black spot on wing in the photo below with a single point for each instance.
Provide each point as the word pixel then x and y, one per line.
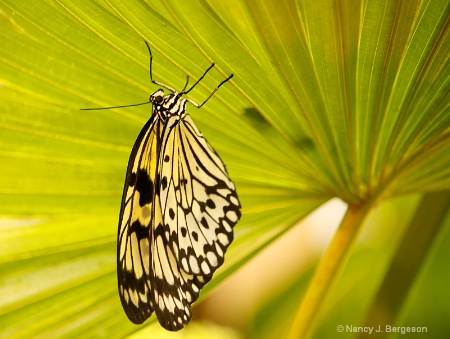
pixel 210 204
pixel 204 222
pixel 145 187
pixel 141 231
pixel 195 235
pixel 164 183
pixel 132 179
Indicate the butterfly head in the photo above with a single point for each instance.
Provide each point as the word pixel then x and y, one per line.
pixel 157 98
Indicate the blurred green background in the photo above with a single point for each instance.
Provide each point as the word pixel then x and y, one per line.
pixel 342 105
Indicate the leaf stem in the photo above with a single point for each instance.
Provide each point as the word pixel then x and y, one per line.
pixel 329 267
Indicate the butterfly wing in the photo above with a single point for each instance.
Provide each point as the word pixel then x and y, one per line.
pixel 173 290
pixel 135 222
pixel 199 202
pixel 178 211
pixel 199 208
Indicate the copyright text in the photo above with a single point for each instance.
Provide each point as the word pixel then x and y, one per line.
pixel 382 329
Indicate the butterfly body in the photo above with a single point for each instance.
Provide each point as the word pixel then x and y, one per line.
pixel 177 215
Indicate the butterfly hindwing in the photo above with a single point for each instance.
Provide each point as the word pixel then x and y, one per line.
pixel 199 202
pixel 187 248
pixel 173 289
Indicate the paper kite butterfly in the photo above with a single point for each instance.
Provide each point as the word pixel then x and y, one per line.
pixel 178 210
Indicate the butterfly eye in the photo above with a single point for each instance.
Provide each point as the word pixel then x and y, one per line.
pixel 156 98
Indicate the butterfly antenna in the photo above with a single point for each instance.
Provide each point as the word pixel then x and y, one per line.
pixel 99 108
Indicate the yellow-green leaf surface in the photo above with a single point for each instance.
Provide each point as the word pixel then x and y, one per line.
pixel 346 99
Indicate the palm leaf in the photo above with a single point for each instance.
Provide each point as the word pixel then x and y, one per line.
pixel 329 99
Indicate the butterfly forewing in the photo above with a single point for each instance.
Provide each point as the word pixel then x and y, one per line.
pixel 136 217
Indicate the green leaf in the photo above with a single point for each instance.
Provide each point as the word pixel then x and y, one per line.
pixel 329 99
pixel 409 258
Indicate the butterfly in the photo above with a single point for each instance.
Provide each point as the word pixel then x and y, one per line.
pixel 178 210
